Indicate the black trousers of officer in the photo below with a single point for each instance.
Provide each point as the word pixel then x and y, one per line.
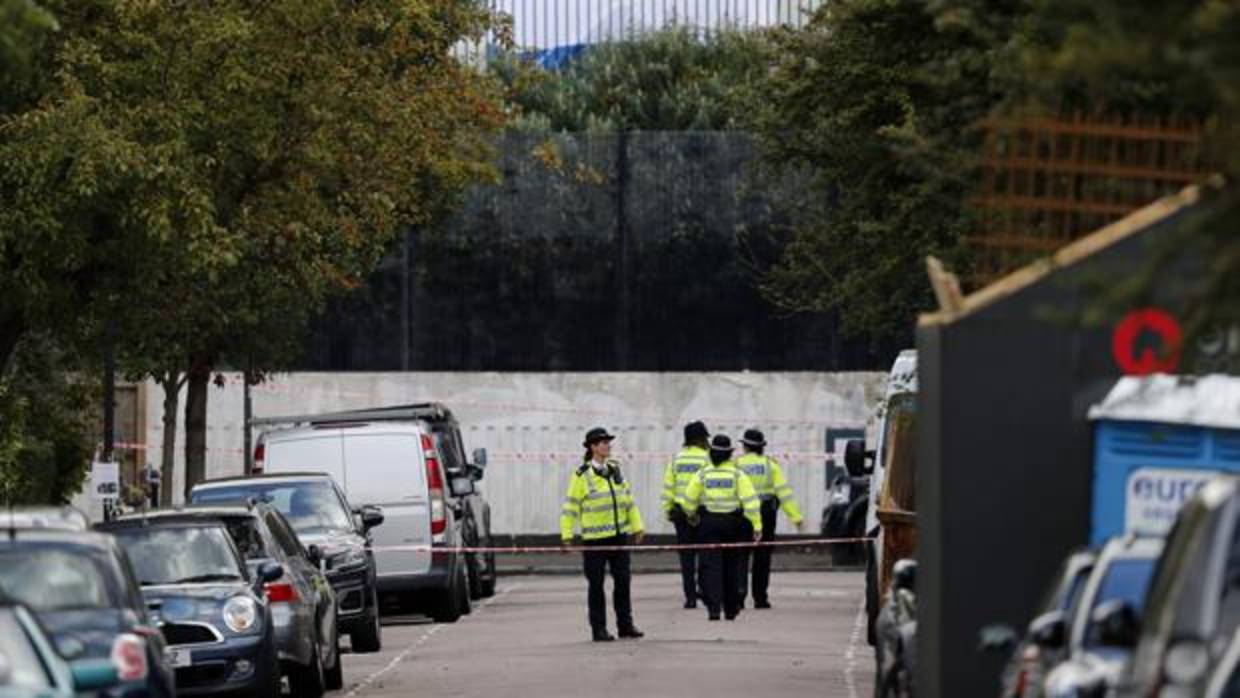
pixel 595 564
pixel 686 534
pixel 721 569
pixel 761 556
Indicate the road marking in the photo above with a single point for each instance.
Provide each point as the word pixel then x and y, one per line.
pixel 850 655
pixel 405 653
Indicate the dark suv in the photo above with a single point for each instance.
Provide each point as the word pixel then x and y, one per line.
pixel 336 535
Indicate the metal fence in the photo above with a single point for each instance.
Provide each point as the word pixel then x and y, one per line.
pixel 554 29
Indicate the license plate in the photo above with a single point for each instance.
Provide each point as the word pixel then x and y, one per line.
pixel 180 658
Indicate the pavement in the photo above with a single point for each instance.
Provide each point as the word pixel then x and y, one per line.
pixel 532 639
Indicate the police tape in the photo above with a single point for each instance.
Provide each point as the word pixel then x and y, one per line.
pixel 578 548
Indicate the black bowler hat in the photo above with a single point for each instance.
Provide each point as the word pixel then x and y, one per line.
pixel 721 443
pixel 596 435
pixel 754 438
pixel 695 431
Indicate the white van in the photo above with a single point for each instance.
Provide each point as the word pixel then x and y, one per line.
pixel 386 458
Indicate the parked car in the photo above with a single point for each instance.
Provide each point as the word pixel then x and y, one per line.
pixel 1033 656
pixel 1193 610
pixel 213 613
pixel 471 508
pixel 81 586
pixel 1101 631
pixel 387 458
pixel 30 666
pixel 848 499
pixel 303 602
pixel 336 536
pixel 896 650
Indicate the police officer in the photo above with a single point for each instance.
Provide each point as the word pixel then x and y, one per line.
pixel 600 500
pixel 775 494
pixel 680 470
pixel 722 499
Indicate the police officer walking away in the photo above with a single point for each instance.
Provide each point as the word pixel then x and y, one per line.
pixel 600 500
pixel 721 498
pixel 775 494
pixel 680 470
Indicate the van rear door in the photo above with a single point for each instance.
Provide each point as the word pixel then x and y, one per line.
pixel 386 469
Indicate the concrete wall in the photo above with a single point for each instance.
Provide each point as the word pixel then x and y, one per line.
pixel 532 424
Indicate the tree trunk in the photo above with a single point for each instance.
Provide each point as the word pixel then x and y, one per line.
pixel 171 383
pixel 199 380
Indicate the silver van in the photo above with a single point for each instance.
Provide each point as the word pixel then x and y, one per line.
pixel 388 458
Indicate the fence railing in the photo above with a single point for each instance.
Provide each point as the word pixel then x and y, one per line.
pixel 550 26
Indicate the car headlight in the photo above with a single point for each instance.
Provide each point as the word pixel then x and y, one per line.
pixel 1186 662
pixel 350 557
pixel 240 613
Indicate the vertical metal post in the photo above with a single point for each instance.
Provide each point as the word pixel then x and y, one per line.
pixel 623 265
pixel 248 414
pixel 109 407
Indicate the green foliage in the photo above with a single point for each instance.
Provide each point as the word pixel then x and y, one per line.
pixel 670 80
pixel 876 101
pixel 24 28
pixel 44 422
pixel 1171 58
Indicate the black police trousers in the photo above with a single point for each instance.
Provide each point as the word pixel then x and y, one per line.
pixel 761 556
pixel 686 534
pixel 595 564
pixel 720 570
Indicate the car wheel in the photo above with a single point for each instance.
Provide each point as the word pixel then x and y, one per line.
pixel 333 678
pixel 448 607
pixel 467 606
pixel 871 597
pixel 488 582
pixel 475 576
pixel 308 681
pixel 370 637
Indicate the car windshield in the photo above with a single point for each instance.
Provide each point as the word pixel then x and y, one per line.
pixel 310 507
pixel 53 579
pixel 180 554
pixel 1126 580
pixel 20 660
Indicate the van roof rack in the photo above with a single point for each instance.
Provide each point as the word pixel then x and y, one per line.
pixel 432 411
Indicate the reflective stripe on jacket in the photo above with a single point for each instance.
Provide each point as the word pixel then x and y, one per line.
pixel 768 481
pixel 600 505
pixel 722 489
pixel 680 470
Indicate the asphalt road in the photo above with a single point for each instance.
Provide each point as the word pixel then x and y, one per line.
pixel 532 640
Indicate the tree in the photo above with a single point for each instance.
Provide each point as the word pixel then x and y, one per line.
pixel 1172 59
pixel 262 156
pixel 876 102
pixel 671 80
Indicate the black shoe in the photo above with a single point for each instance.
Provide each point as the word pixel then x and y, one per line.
pixel 603 636
pixel 730 616
pixel 691 603
pixel 761 604
pixel 631 632
pixel 713 616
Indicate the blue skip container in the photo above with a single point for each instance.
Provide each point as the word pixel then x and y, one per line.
pixel 1157 440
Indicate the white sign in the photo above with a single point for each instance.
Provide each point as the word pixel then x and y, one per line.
pixel 105 480
pixel 1154 497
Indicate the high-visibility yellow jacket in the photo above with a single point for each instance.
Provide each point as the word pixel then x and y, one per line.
pixel 768 480
pixel 722 489
pixel 680 470
pixel 602 505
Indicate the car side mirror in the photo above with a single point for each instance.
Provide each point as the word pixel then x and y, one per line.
pixel 462 486
pixel 92 675
pixel 855 457
pixel 1049 630
pixel 372 516
pixel 904 575
pixel 269 572
pixel 997 639
pixel 1117 623
pixel 480 458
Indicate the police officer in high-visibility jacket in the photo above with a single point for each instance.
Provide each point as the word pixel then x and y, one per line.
pixel 680 470
pixel 722 499
pixel 775 494
pixel 601 502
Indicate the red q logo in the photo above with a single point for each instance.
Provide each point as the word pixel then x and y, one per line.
pixel 1147 341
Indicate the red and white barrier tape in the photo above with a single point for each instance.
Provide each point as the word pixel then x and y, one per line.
pixel 535 549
